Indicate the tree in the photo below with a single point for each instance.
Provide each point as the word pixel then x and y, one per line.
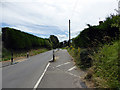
pixel 93 35
pixel 61 45
pixel 17 40
pixel 55 41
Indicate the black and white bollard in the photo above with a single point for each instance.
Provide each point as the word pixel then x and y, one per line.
pixel 11 58
pixel 53 56
pixel 27 54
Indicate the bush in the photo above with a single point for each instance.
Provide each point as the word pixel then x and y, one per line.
pixel 5 54
pixel 102 33
pixel 85 59
pixel 81 57
pixel 106 66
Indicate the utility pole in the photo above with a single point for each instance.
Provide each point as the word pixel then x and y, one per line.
pixel 69 34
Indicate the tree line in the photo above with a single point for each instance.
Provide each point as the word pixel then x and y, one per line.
pixel 92 36
pixel 17 40
pixel 97 49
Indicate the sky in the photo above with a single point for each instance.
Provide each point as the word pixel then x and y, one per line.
pixel 50 17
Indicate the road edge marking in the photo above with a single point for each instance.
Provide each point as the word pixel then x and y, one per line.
pixel 39 80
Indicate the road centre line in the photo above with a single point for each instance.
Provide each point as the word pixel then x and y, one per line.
pixel 63 64
pixel 39 80
pixel 71 68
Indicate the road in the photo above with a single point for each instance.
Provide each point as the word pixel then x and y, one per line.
pixel 62 73
pixel 25 74
pixel 59 74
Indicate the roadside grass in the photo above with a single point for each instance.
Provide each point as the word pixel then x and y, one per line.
pixel 104 70
pixel 6 54
pixel 37 51
pixel 106 66
pixel 76 54
pixel 64 47
pixel 73 52
pixel 81 57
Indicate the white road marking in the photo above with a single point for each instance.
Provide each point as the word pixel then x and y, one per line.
pixel 36 85
pixel 63 64
pixel 73 74
pixel 51 59
pixel 71 68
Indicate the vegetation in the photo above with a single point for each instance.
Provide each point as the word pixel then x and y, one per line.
pixel 105 66
pixel 6 54
pixel 95 35
pixel 20 43
pixel 63 44
pixel 81 57
pixel 17 40
pixel 96 49
pixel 55 41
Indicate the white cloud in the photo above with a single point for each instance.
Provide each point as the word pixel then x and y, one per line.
pixel 23 13
pixel 62 37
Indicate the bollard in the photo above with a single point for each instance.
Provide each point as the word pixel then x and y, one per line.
pixel 27 54
pixel 53 56
pixel 11 58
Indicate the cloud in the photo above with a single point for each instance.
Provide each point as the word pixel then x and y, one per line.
pixel 45 17
pixel 41 30
pixel 62 37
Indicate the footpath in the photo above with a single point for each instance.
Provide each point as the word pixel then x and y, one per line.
pixel 63 73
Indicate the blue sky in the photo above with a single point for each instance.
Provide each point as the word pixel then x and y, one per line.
pixel 46 17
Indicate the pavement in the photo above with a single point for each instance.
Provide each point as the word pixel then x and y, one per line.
pixel 63 73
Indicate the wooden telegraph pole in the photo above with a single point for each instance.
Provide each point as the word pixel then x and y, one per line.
pixel 69 34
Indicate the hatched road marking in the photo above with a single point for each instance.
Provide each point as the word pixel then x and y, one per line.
pixel 71 68
pixel 62 64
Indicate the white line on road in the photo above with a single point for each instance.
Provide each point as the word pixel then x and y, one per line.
pixel 63 64
pixel 36 85
pixel 73 75
pixel 71 68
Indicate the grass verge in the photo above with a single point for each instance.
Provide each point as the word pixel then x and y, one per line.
pixel 81 57
pixel 6 54
pixel 104 70
pixel 106 66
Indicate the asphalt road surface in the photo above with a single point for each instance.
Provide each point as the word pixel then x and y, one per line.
pixel 62 73
pixel 25 74
pixel 59 74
